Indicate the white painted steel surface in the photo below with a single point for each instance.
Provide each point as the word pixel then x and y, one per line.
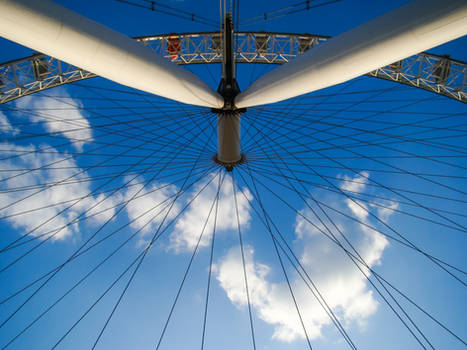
pixel 56 31
pixel 408 30
pixel 228 137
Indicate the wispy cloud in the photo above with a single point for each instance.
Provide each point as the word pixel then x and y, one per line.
pixel 148 205
pixel 35 182
pixel 59 113
pixel 188 228
pixel 6 127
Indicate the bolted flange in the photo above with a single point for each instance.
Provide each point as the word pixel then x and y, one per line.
pixel 229 166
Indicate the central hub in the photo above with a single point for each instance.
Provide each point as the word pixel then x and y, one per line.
pixel 228 138
pixel 228 118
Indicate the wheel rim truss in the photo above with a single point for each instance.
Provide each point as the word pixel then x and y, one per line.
pixel 438 74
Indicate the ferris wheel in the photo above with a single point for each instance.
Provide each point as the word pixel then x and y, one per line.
pixel 320 207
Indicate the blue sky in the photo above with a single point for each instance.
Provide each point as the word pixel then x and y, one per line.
pixel 376 166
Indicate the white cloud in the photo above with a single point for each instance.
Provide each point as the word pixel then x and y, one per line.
pixel 355 185
pixel 271 300
pixel 42 214
pixel 343 286
pixel 59 115
pixel 189 226
pixel 151 204
pixel 148 205
pixel 385 210
pixel 102 207
pixel 5 125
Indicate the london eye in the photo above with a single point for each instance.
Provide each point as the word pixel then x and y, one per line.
pixel 225 174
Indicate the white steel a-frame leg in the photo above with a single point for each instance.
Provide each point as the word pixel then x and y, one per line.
pixel 59 32
pixel 408 30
